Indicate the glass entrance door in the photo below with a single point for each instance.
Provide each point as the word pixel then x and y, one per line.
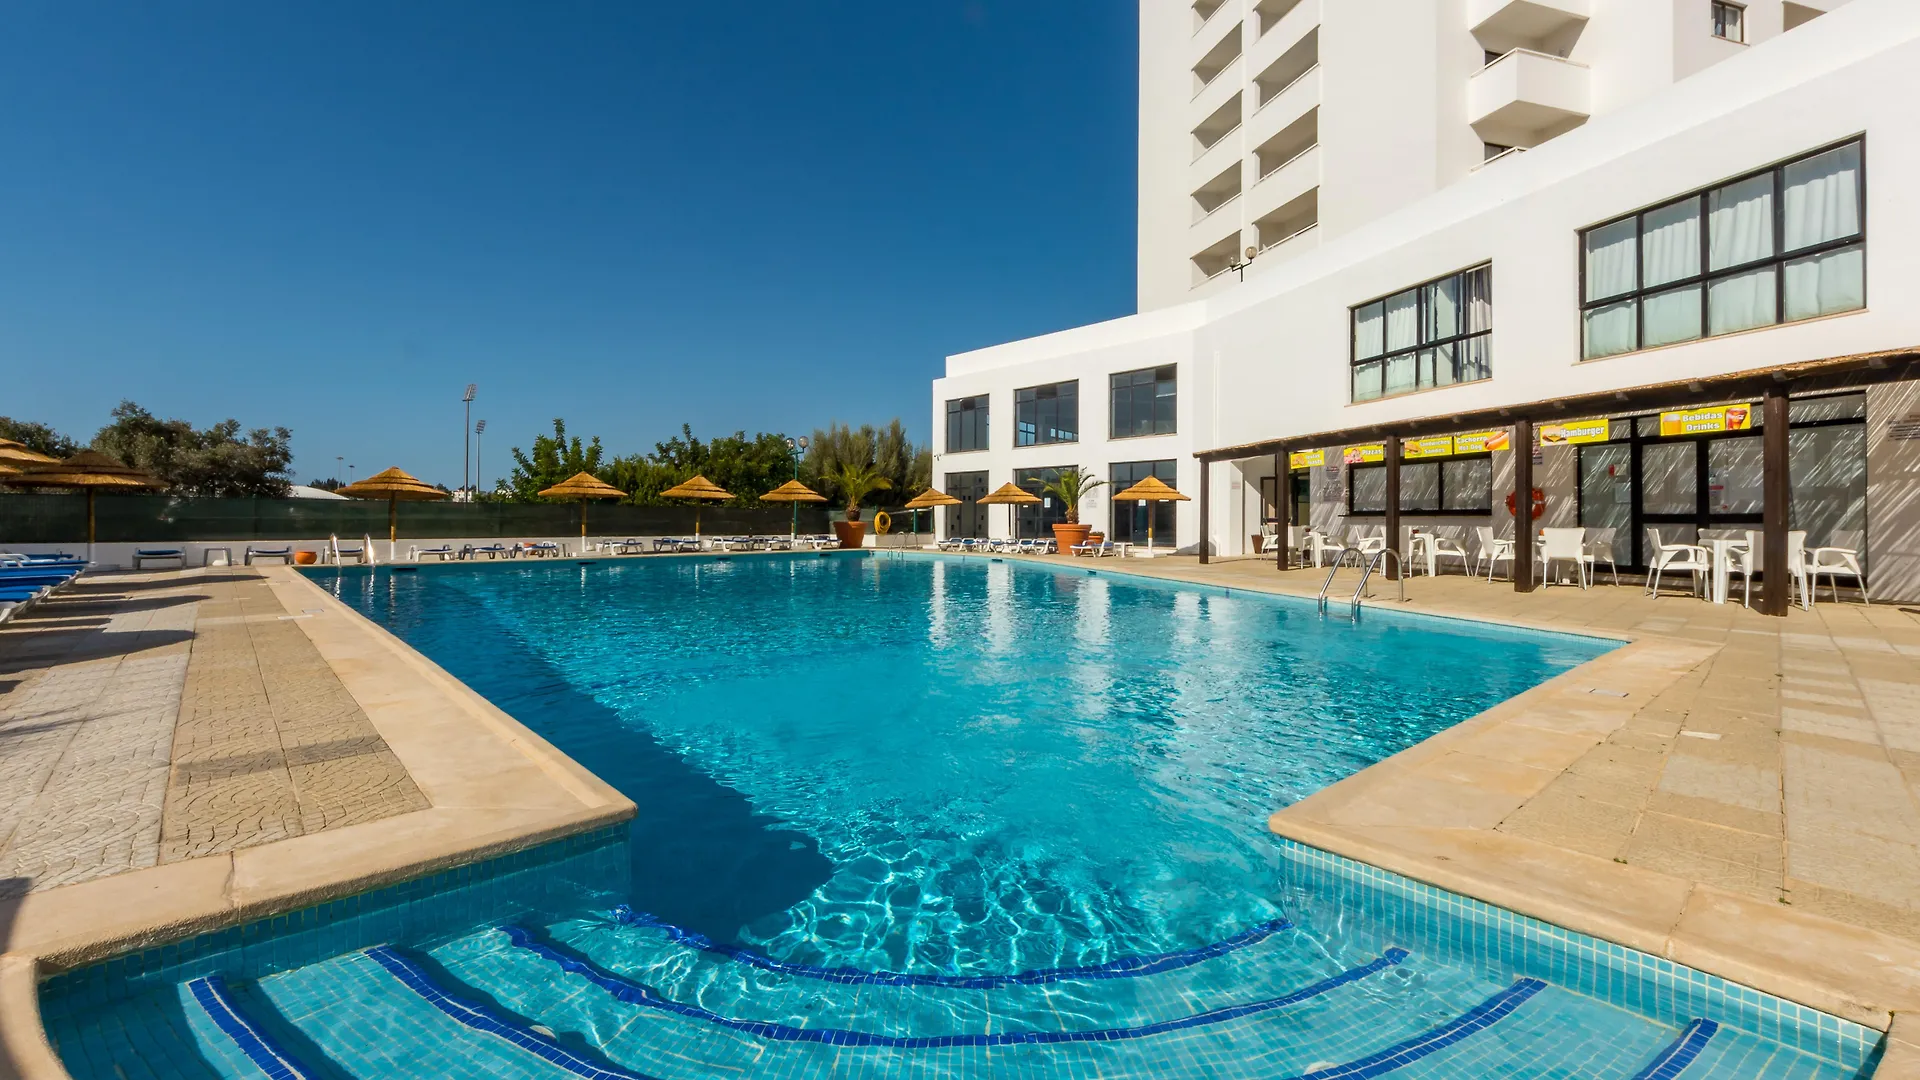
pixel 969 518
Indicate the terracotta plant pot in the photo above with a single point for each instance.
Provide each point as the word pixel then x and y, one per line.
pixel 1096 538
pixel 1066 536
pixel 852 534
pixel 305 558
pixel 1259 545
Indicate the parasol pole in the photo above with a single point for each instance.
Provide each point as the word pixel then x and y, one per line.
pixel 583 526
pixel 89 525
pixel 393 526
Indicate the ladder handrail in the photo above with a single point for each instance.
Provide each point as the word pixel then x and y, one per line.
pixel 1378 557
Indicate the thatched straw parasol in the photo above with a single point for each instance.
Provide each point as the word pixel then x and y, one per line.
pixel 88 470
pixel 795 492
pixel 697 488
pixel 1152 489
pixel 1012 496
pixel 395 487
pixel 16 456
pixel 583 486
pixel 927 500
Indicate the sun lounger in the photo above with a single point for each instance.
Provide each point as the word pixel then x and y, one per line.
pixel 142 556
pixel 443 552
pixel 491 551
pixel 283 553
pixel 1103 549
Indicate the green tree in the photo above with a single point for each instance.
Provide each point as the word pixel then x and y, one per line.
pixel 852 483
pixel 907 469
pixel 209 462
pixel 39 438
pixel 1072 485
pixel 554 458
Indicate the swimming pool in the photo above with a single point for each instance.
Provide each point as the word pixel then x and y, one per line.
pixel 951 817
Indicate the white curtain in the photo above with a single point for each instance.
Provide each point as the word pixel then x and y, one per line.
pixel 1670 243
pixel 1369 331
pixel 1443 309
pixel 1366 381
pixel 1822 198
pixel 1609 329
pixel 1825 284
pixel 1403 320
pixel 1741 302
pixel 1611 251
pixel 1480 300
pixel 1401 373
pixel 1740 222
pixel 1670 317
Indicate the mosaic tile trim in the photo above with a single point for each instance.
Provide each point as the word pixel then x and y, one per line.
pixel 483 1019
pixel 210 993
pixel 567 874
pixel 1126 967
pixel 1680 1054
pixel 633 993
pixel 1445 923
pixel 1479 1018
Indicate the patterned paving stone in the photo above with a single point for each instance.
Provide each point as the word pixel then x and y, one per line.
pixel 148 718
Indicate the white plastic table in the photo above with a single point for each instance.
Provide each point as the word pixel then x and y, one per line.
pixel 1722 549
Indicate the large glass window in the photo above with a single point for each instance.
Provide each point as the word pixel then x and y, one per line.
pixel 1038 520
pixel 1143 402
pixel 1129 519
pixel 966 424
pixel 1462 485
pixel 1046 414
pixel 1784 244
pixel 970 517
pixel 1435 334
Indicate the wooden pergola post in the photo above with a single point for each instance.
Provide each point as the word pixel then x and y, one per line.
pixel 1282 496
pixel 1776 485
pixel 1206 491
pixel 1391 451
pixel 1523 505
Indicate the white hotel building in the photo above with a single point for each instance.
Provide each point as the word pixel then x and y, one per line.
pixel 1475 216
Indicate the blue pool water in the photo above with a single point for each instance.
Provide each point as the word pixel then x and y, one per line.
pixel 924 817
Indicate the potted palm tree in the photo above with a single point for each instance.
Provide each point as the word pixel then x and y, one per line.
pixel 854 483
pixel 1071 486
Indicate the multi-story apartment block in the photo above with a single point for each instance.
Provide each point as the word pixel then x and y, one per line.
pixel 1662 244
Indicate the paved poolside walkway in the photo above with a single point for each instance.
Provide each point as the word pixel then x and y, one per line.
pixel 151 718
pixel 1700 789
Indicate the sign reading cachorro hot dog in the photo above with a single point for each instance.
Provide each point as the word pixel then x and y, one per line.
pixel 1701 421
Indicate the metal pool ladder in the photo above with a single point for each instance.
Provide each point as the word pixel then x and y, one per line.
pixel 1366 573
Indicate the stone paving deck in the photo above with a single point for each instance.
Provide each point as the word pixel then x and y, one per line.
pixel 151 718
pixel 1735 791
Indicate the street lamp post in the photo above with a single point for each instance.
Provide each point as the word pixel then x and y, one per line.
pixel 339 466
pixel 479 429
pixel 466 448
pixel 796 450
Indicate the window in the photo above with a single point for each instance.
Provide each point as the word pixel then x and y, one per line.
pixel 1461 485
pixel 1128 521
pixel 1729 21
pixel 1046 414
pixel 1036 520
pixel 1143 402
pixel 970 517
pixel 966 424
pixel 1780 245
pixel 1435 334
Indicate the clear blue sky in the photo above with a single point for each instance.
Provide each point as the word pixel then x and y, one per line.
pixel 333 216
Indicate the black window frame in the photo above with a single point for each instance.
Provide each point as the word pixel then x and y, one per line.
pixel 1440 489
pixel 1706 277
pixel 1461 340
pixel 1157 376
pixel 1027 433
pixel 957 408
pixel 1163 513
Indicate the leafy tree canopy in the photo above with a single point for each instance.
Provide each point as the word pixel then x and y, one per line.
pixel 907 469
pixel 555 458
pixel 215 461
pixel 39 438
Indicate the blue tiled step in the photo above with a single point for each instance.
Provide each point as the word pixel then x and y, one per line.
pixel 259 1048
pixel 1680 1053
pixel 633 993
pixel 1129 967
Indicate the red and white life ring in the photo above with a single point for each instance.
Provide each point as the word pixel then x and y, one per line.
pixel 1539 501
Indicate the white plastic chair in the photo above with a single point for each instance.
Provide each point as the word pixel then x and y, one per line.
pixel 1565 545
pixel 1493 551
pixel 1689 557
pixel 1743 561
pixel 1322 544
pixel 1441 547
pixel 1843 557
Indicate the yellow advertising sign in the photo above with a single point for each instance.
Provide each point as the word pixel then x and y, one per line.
pixel 1577 431
pixel 1480 442
pixel 1698 421
pixel 1306 459
pixel 1433 446
pixel 1365 454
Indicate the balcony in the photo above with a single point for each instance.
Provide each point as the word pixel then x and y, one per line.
pixel 1204 10
pixel 1287 144
pixel 1217 59
pixel 1217 258
pixel 1224 121
pixel 1270 12
pixel 1287 68
pixel 1285 224
pixel 1501 25
pixel 1280 188
pixel 1525 98
pixel 1217 192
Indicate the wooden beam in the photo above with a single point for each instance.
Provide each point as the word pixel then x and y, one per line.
pixel 1391 568
pixel 1282 506
pixel 1777 494
pixel 1206 492
pixel 1523 505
